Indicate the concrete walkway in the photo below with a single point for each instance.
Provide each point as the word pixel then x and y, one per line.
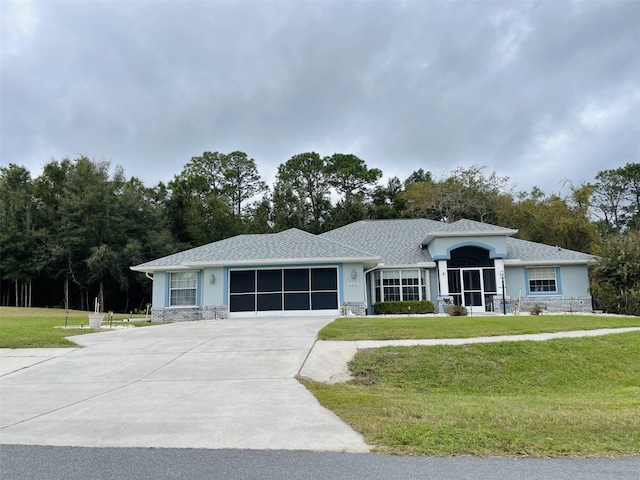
pixel 218 384
pixel 327 361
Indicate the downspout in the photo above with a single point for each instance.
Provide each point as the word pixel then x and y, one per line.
pixel 150 277
pixel 366 290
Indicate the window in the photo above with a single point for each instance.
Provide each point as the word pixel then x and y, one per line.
pixel 391 286
pixel 182 289
pixel 400 285
pixel 542 279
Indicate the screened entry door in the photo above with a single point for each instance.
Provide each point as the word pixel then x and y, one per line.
pixel 283 291
pixel 465 286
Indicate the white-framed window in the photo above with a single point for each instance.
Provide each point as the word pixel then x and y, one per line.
pixel 542 279
pixel 182 289
pixel 400 285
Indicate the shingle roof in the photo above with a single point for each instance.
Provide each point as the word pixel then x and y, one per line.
pixel 392 242
pixel 396 241
pixel 532 252
pixel 290 245
pixel 465 225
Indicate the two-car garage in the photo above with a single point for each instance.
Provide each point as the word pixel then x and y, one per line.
pixel 281 291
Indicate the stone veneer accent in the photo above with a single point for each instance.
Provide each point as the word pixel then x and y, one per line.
pixel 554 304
pixel 525 304
pixel 356 309
pixel 170 315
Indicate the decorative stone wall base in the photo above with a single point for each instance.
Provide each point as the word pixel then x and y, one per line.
pixel 215 312
pixel 170 315
pixel 353 309
pixel 548 303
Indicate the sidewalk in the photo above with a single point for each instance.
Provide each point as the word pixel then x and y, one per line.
pixel 327 361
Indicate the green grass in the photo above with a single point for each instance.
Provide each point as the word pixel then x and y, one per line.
pixel 395 328
pixel 565 397
pixel 36 327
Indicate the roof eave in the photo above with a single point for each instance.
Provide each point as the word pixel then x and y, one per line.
pixel 384 266
pixel 281 261
pixel 523 263
pixel 156 268
pixel 478 233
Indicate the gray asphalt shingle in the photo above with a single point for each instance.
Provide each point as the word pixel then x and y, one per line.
pixel 395 242
pixel 290 244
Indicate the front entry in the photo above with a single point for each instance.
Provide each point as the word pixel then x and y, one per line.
pixel 467 289
pixel 471 276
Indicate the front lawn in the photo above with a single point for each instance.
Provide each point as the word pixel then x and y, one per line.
pixel 391 328
pixel 564 397
pixel 40 327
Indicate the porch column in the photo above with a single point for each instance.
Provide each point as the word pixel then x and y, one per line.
pixel 500 274
pixel 499 266
pixel 443 278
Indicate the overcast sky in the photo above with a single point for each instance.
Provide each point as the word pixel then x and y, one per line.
pixel 541 92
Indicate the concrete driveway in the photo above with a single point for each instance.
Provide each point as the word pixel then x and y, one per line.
pixel 215 384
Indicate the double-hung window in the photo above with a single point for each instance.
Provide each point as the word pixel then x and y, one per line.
pixel 542 280
pixel 182 289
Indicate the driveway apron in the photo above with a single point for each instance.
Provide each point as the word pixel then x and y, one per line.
pixel 212 384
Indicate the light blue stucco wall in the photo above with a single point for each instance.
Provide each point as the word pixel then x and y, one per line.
pixel 440 248
pixel 158 290
pixel 572 280
pixel 213 293
pixel 216 293
pixel 353 290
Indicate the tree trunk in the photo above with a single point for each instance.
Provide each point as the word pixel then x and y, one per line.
pixel 101 296
pixel 17 296
pixel 66 293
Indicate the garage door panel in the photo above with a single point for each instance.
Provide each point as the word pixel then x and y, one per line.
pixel 324 279
pixel 242 303
pixel 269 280
pixel 269 301
pixel 296 280
pixel 243 281
pixel 296 301
pixel 324 300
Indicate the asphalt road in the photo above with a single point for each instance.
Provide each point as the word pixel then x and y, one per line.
pixel 21 462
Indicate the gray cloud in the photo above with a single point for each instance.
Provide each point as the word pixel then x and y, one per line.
pixel 540 92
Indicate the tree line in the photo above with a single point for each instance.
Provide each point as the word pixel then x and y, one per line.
pixel 72 233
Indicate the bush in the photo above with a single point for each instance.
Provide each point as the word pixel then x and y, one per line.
pixel 408 307
pixel 536 309
pixel 457 311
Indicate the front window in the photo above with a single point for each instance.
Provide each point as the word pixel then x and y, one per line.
pixel 182 289
pixel 400 285
pixel 542 279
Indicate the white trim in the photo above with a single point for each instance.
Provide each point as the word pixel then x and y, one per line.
pixel 547 263
pixel 281 261
pixel 404 266
pixel 463 233
pixel 286 313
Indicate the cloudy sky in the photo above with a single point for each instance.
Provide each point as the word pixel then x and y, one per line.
pixel 541 92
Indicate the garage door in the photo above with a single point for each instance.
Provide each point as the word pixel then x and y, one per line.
pixel 284 290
